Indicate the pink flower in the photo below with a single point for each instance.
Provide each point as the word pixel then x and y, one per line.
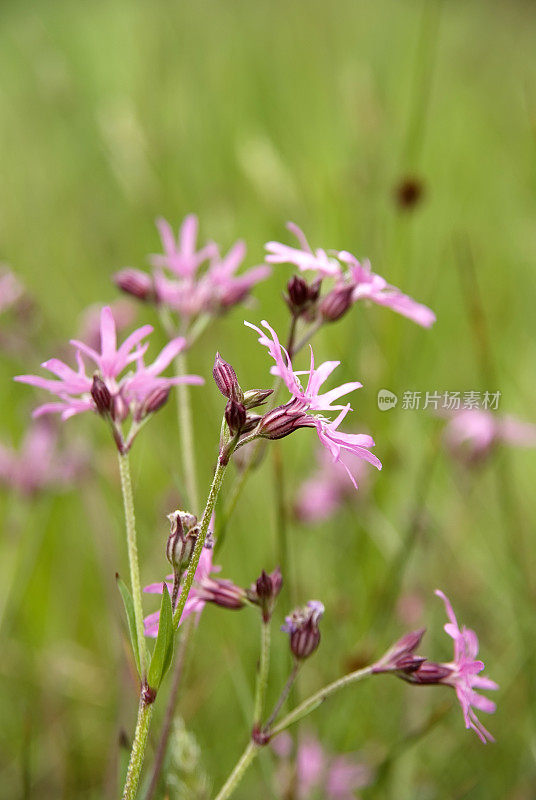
pixel 124 314
pixel 195 602
pixel 135 392
pixel 472 433
pixel 353 281
pixel 177 281
pixel 310 765
pixel 285 419
pixel 326 489
pixel 39 464
pixel 463 673
pixel 180 255
pixel 369 286
pixel 303 257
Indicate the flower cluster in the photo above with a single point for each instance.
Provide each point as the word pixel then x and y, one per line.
pixel 353 281
pixel 136 393
pixel 177 283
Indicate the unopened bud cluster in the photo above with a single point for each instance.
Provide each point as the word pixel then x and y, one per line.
pixel 239 403
pixel 402 661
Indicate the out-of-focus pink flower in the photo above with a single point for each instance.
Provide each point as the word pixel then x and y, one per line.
pixel 283 420
pixel 310 765
pixel 472 433
pixel 302 257
pixel 320 495
pixel 353 280
pixel 11 289
pixel 132 393
pixel 180 255
pixel 463 674
pixel 195 601
pixel 318 773
pixel 39 463
pixel 178 281
pixel 369 286
pixel 345 776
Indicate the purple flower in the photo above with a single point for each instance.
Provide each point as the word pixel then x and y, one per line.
pixel 177 281
pixel 285 419
pixel 472 433
pixel 39 464
pixel 463 673
pixel 134 392
pixel 195 601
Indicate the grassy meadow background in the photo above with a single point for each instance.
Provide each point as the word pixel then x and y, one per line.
pixel 251 114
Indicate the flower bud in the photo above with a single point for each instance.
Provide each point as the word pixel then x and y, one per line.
pixel 336 303
pixel 264 592
pixel 256 397
pixel 400 657
pixel 302 625
pixel 430 672
pixel 120 408
pixel 301 295
pixel 181 540
pixel 153 402
pixel 284 420
pixel 221 592
pixel 135 282
pixel 226 380
pixel 101 395
pixel 235 416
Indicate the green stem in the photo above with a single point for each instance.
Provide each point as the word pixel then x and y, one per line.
pixel 135 583
pixel 203 530
pixel 145 712
pixel 262 675
pixel 283 696
pixel 304 708
pixel 184 412
pixel 236 775
pixel 316 699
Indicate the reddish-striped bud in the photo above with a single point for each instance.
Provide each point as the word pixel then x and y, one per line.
pixel 136 283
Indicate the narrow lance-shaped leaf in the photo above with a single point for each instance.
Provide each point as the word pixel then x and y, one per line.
pixel 129 608
pixel 163 649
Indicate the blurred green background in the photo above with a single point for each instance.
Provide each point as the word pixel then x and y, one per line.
pixel 249 114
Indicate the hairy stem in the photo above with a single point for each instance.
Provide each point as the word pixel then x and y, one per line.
pixel 203 530
pixel 145 712
pixel 170 710
pixel 135 583
pixel 262 674
pixel 283 696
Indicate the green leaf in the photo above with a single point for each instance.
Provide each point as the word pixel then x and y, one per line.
pixel 163 649
pixel 129 608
